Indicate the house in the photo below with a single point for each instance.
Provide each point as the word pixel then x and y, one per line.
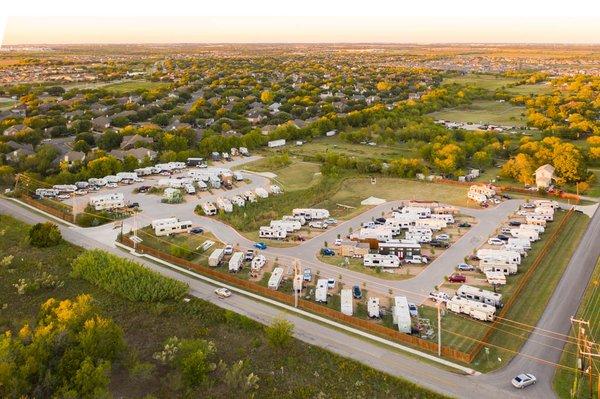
pixel 544 175
pixel 16 129
pixel 73 156
pixel 130 142
pixel 17 154
pixel 139 153
pixel 100 123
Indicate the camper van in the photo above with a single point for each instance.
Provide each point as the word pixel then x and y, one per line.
pixel 209 208
pixel 401 314
pixel 377 260
pixel 215 257
pixel 373 308
pixel 477 310
pixel 236 261
pixel 480 295
pixel 346 303
pixel 275 279
pixel 287 225
pixel 531 235
pixel 321 291
pixel 272 232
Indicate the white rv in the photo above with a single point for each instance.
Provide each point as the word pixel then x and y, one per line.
pixel 97 182
pixel 311 213
pixel 258 262
pixel 261 192
pixel 379 233
pixel 127 175
pixel 238 201
pixel 480 295
pixel 215 181
pixel 535 219
pixel 236 261
pixel 271 232
pixel 401 314
pixel 276 143
pixel 250 196
pixel 446 217
pixel 531 235
pixel 495 278
pixel 397 224
pixel 422 212
pixel 432 224
pixel 373 307
pixel 209 208
pixel 500 255
pixel 484 190
pixel 476 310
pixel 107 201
pixel 321 291
pixel 224 204
pixel 377 260
pixel 498 266
pixel 215 257
pixel 275 279
pixel 287 225
pixel 477 197
pixel 189 188
pixel 346 304
pixel 65 188
pixel 275 189
pixel 547 203
pixel 419 237
pixel 46 192
pixel 522 242
pixel 298 218
pixel 173 227
pixel 544 210
pixel 527 226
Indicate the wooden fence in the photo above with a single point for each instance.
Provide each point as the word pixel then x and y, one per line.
pixel 365 325
pixel 64 215
pixel 521 284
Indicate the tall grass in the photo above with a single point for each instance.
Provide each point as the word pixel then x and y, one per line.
pixel 126 278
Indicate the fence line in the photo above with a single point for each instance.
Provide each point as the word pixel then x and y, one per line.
pixel 371 327
pixel 64 215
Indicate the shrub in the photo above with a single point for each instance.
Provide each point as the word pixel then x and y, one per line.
pixel 43 235
pixel 279 333
pixel 126 278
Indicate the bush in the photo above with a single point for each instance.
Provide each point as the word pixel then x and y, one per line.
pixel 279 333
pixel 44 235
pixel 126 278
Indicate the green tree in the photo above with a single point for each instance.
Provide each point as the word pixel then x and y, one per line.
pixel 43 235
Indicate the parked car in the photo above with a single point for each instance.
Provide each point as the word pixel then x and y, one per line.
pixel 338 242
pixel 327 252
pixel 439 244
pixel 260 245
pixel 63 196
pixel 356 292
pixel 514 223
pixel 228 250
pixel 249 255
pixel 223 292
pixel 442 237
pixel 523 380
pixel 134 205
pixel 196 230
pixel 464 224
pixel 465 267
pixel 506 196
pixel 413 310
pixel 380 220
pixel 307 275
pixel 502 237
pixel 495 241
pixel 528 205
pixel 438 296
pixel 330 221
pixel 330 283
pixel 457 278
pixel 143 189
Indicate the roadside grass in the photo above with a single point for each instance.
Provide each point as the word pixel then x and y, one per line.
pixel 488 82
pixel 588 310
pixel 282 373
pixel 133 86
pixel 484 111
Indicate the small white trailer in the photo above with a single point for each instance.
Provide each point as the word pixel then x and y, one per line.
pixel 261 192
pixel 531 235
pixel 373 308
pixel 258 262
pixel 420 211
pixel 517 248
pixel 244 151
pixel 378 260
pixel 311 213
pixel 238 200
pixel 495 278
pixel 544 210
pixel 397 224
pixel 480 295
pixel 522 242
pixel 379 233
pixel 275 279
pixel 173 227
pixel 498 266
pixel 271 232
pixel 209 208
pixel 500 255
pixel 432 224
pixel 535 219
pixel 401 314
pixel 214 181
pixel 321 291
pixel 127 175
pixel 275 189
pixel 446 217
pixel 477 310
pixel 527 226
pixel 276 143
pixel 236 262
pixel 287 225
pixel 112 179
pixel 215 257
pixel 346 305
pixel 107 201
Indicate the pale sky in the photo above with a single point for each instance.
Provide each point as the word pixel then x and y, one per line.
pixel 423 21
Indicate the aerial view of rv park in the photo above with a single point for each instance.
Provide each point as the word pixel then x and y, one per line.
pixel 299 220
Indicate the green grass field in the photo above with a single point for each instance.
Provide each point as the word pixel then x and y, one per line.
pixel 379 151
pixel 488 82
pixel 484 111
pixel 589 310
pixel 356 265
pixel 295 176
pixel 133 86
pixel 526 90
pixel 282 373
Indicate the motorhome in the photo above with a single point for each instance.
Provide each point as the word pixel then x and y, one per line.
pixel 346 303
pixel 373 308
pixel 311 213
pixel 258 262
pixel 107 201
pixel 422 212
pixel 236 262
pixel 215 257
pixel 238 201
pixel 531 235
pixel 202 186
pixel 495 278
pixel 379 233
pixel 173 227
pixel 224 204
pixel 477 310
pixel 272 232
pixel 209 208
pixel 287 225
pixel 378 260
pixel 321 291
pixel 498 266
pixel 446 217
pixel 480 295
pixel 500 255
pixel 261 192
pixel 275 279
pixel 433 224
pixel 401 314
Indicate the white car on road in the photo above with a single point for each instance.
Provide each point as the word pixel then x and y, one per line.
pixel 523 380
pixel 223 292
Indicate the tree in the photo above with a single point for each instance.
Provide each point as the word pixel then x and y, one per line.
pixel 109 140
pixel 81 145
pixel 266 97
pixel 43 235
pixel 383 86
pixel 194 358
pixel 279 333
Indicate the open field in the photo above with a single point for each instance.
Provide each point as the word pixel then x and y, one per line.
pixel 6 103
pixel 488 82
pixel 295 176
pixel 588 310
pixel 147 325
pixel 526 90
pixel 484 111
pixel 133 85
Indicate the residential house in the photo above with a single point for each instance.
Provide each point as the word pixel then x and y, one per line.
pixel 100 123
pixel 544 175
pixel 16 129
pixel 131 141
pixel 73 156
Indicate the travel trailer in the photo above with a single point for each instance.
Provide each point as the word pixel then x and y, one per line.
pixel 311 213
pixel 172 227
pixel 500 255
pixel 485 190
pixel 236 262
pixel 261 192
pixel 480 295
pixel 498 266
pixel 287 225
pixel 258 262
pixel 107 201
pixel 401 314
pixel 224 204
pixel 531 235
pixel 215 257
pixel 209 208
pixel 373 308
pixel 272 232
pixel 477 197
pixel 495 278
pixel 249 196
pixel 446 217
pixel 527 226
pixel 346 303
pixel 433 224
pixel 275 279
pixel 379 233
pixel 477 310
pixel 377 260
pixel 238 201
pixel 321 291
pixel 416 210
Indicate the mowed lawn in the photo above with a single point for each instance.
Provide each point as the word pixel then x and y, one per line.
pixel 535 89
pixel 133 85
pixel 588 310
pixel 484 111
pixel 295 176
pixel 378 151
pixel 488 82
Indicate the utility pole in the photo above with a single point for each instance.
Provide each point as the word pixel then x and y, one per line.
pixel 585 348
pixel 439 328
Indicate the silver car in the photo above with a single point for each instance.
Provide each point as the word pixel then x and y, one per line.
pixel 523 380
